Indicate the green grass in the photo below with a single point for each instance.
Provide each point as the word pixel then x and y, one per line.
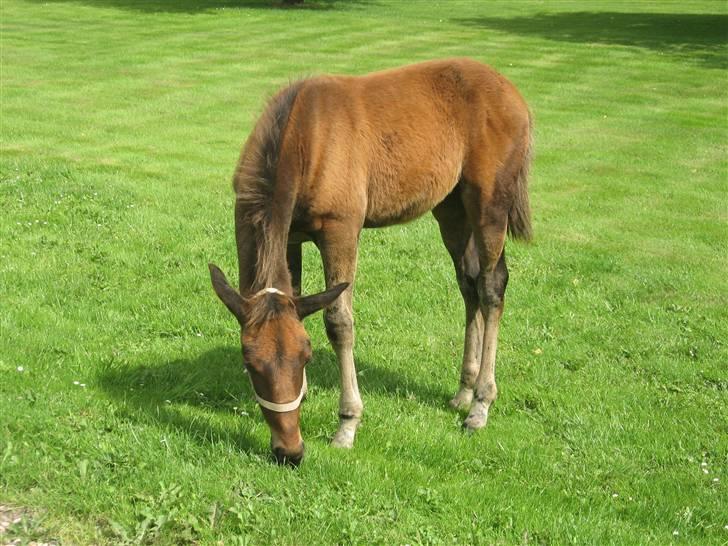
pixel 122 121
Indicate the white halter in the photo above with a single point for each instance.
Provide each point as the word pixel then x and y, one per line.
pixel 273 406
pixel 269 290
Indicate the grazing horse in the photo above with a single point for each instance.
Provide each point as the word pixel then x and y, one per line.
pixel 331 155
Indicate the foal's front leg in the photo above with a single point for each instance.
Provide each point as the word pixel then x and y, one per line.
pixel 294 257
pixel 338 246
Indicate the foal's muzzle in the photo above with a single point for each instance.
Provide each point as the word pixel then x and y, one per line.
pixel 289 458
pixel 282 455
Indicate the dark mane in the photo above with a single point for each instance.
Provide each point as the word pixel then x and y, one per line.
pixel 255 183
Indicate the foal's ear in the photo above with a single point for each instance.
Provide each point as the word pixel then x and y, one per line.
pixel 310 304
pixel 227 293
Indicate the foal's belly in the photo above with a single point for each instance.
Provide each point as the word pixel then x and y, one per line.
pixel 397 200
pixel 399 213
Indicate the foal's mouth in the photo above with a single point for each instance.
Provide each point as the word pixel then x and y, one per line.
pixel 284 459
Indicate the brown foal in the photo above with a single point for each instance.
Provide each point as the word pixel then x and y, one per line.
pixel 334 154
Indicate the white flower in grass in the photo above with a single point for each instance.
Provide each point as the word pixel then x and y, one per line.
pixel 20 369
pixel 675 533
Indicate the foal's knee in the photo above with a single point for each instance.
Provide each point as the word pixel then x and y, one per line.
pixel 339 323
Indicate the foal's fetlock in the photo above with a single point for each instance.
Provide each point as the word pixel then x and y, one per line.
pixel 463 399
pixel 344 437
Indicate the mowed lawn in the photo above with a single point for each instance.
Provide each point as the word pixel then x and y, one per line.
pixel 125 416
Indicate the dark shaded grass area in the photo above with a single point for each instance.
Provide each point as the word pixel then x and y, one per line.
pixel 691 37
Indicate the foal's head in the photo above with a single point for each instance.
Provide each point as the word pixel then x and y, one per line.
pixel 276 348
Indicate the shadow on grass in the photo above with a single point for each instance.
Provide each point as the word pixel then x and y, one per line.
pixel 202 6
pixel 692 37
pixel 187 393
pixel 178 392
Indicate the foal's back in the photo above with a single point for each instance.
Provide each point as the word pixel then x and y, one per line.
pixel 388 147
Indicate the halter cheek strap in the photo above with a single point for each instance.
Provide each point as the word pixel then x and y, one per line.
pixel 273 406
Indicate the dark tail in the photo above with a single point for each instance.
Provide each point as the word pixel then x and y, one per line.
pixel 519 217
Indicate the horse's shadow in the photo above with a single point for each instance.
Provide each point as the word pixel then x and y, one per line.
pixel 188 394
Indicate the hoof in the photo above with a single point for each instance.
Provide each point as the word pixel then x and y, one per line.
pixel 477 418
pixel 344 437
pixel 470 425
pixel 342 442
pixel 462 400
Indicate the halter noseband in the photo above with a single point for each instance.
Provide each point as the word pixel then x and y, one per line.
pixel 273 406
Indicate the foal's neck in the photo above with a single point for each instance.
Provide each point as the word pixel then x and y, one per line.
pixel 262 260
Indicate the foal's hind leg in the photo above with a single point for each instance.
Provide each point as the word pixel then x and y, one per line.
pixel 338 245
pixel 489 223
pixel 457 236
